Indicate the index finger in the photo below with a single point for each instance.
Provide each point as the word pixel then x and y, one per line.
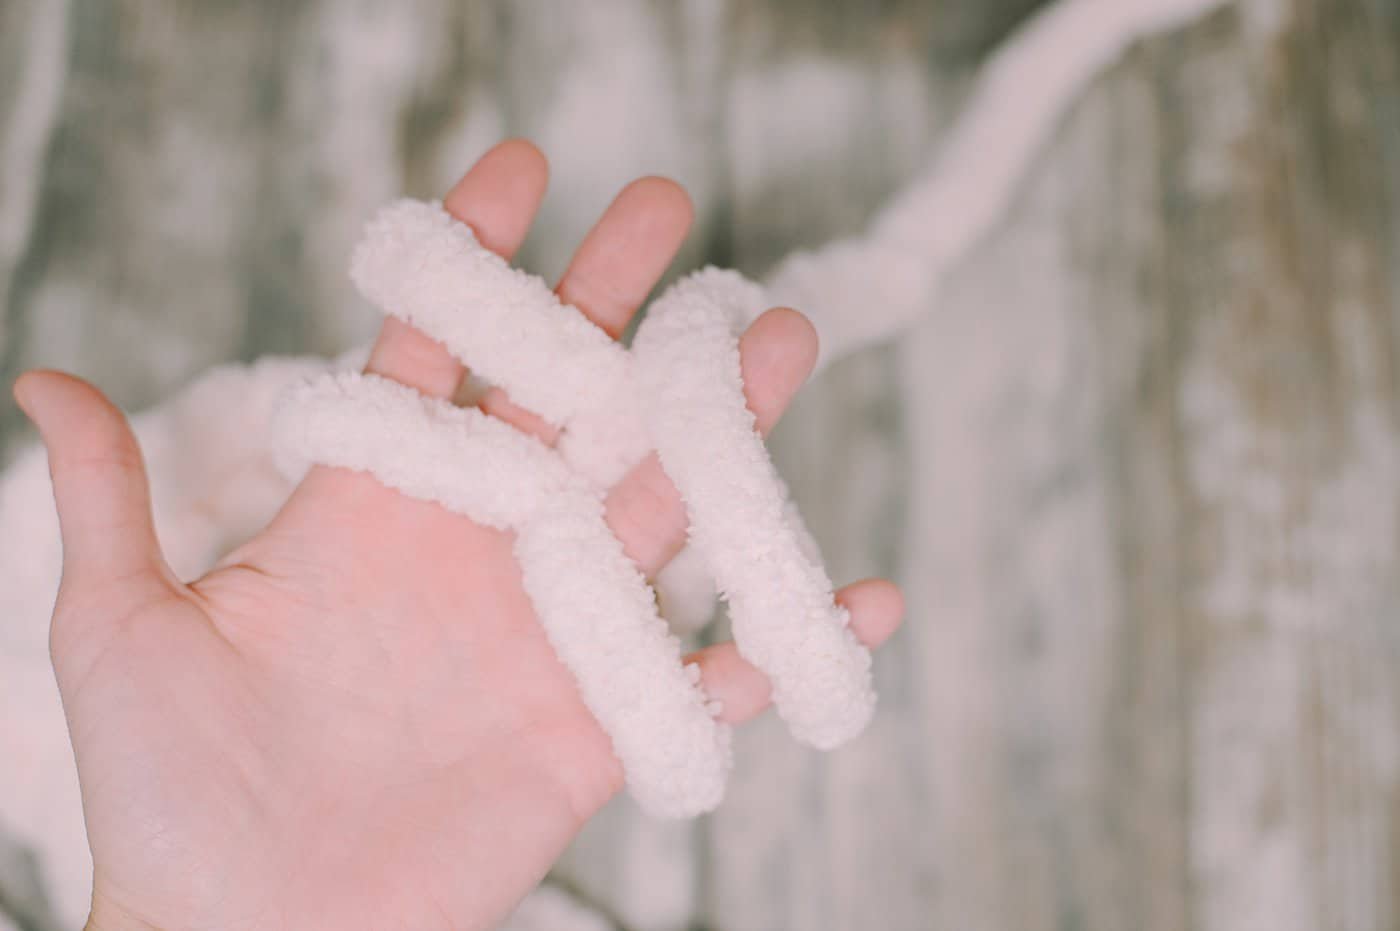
pixel 498 198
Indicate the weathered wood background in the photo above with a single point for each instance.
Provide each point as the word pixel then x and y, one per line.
pixel 1139 469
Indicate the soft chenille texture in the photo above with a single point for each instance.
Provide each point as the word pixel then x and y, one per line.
pixel 681 390
pixel 784 618
pixel 417 263
pixel 595 607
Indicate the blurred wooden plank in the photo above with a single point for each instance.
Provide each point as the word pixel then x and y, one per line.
pixel 1286 320
pixel 1005 738
pixel 33 69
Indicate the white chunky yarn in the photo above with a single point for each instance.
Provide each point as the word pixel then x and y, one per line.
pixel 419 264
pixel 781 608
pixel 595 607
pixel 680 389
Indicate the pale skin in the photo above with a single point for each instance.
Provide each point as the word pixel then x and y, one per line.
pixel 355 721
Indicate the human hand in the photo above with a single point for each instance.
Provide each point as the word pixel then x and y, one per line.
pixel 355 719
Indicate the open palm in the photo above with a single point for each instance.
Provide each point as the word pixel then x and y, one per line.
pixel 355 719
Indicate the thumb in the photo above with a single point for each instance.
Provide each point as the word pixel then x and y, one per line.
pixel 99 481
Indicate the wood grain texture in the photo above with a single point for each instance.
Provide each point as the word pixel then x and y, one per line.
pixel 1138 469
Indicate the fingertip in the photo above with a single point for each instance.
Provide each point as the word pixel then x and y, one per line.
pixel 877 609
pixel 98 477
pixel 521 147
pixel 23 392
pixel 40 392
pixel 777 353
pixel 743 692
pixel 880 592
pixel 498 196
pixel 627 251
pixel 666 200
pixel 799 336
pixel 32 381
pixel 519 162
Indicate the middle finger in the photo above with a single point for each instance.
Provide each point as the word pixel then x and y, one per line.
pixel 614 269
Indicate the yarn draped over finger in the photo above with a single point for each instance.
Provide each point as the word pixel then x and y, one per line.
pixel 680 392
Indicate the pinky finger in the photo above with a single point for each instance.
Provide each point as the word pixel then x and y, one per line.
pixel 876 607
